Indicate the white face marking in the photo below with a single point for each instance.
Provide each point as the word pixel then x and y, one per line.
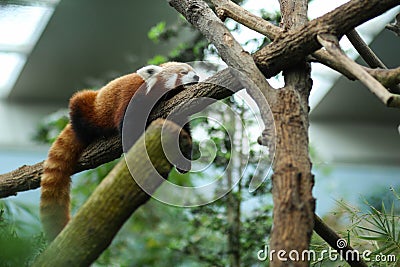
pixel 189 78
pixel 150 83
pixel 149 74
pixel 172 74
pixel 149 71
pixel 170 83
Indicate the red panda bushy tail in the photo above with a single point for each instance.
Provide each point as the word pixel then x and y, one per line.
pixel 55 181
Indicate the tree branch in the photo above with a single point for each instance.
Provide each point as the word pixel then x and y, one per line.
pixel 323 57
pixel 389 78
pixel 295 45
pixel 227 8
pixel 368 55
pixel 363 49
pixel 219 86
pixel 198 13
pixel 395 27
pixel 292 181
pixel 114 200
pixel 331 44
pixel 332 239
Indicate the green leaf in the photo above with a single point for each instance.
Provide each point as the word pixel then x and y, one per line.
pixel 371 230
pixel 157 60
pixel 156 31
pixel 376 238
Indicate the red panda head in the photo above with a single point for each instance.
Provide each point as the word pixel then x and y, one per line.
pixel 148 71
pixel 167 76
pixel 175 74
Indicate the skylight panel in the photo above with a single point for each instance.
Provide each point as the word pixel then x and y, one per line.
pixel 20 25
pixel 20 28
pixel 10 66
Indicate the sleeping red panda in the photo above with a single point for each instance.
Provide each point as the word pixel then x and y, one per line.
pixel 94 114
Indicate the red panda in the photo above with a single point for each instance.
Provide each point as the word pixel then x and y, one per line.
pixel 94 114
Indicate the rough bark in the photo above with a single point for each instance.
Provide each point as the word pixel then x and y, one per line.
pixel 292 181
pixel 92 229
pixel 104 150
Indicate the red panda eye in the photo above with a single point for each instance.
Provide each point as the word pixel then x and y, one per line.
pixel 184 72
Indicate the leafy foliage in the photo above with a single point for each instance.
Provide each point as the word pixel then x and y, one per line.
pixel 49 128
pixel 19 245
pixel 376 229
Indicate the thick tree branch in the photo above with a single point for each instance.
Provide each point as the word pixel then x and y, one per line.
pixel 219 86
pixel 388 78
pixel 93 228
pixel 198 13
pixel 295 45
pixel 331 44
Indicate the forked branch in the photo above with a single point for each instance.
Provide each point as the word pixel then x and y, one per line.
pixel 331 43
pixel 388 78
pixel 369 56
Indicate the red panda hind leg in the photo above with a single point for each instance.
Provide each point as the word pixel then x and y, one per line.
pixel 88 122
pixel 55 181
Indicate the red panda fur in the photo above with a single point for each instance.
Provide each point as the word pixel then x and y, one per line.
pixel 94 114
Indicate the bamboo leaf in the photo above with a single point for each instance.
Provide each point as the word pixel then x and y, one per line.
pixel 372 230
pixel 388 247
pixel 375 238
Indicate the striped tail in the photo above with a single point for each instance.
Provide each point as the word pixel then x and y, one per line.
pixel 56 181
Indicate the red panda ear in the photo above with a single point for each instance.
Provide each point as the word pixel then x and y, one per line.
pixel 149 71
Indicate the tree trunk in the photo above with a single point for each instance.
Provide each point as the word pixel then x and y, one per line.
pixel 292 180
pixel 93 228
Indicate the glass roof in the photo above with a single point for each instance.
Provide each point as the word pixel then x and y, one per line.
pixel 21 24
